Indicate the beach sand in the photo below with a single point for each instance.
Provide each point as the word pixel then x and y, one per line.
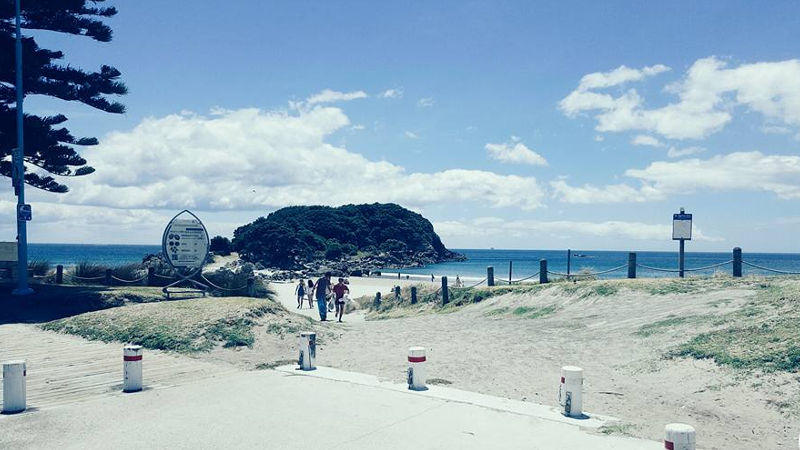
pixel 479 349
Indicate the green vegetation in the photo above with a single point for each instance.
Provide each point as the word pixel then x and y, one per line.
pixel 183 326
pixel 438 381
pixel 534 312
pixel 764 334
pixel 39 267
pixel 626 429
pixel 277 363
pixel 50 147
pixel 660 326
pixel 291 236
pixel 220 245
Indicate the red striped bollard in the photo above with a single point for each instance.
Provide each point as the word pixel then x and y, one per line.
pixel 132 368
pixel 678 436
pixel 416 369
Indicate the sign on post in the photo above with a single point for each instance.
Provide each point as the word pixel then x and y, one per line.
pixel 682 227
pixel 185 243
pixel 24 212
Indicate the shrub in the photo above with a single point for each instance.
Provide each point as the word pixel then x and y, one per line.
pixel 39 267
pixel 129 272
pixel 88 272
pixel 220 245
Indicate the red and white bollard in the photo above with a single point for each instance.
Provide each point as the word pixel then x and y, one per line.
pixel 132 368
pixel 679 436
pixel 570 391
pixel 308 350
pixel 14 386
pixel 416 369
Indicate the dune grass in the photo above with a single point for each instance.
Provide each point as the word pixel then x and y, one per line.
pixel 185 326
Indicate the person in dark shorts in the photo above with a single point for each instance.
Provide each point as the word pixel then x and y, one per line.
pixel 322 287
pixel 338 294
pixel 300 291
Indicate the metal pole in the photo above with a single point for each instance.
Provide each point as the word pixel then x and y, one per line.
pixel 680 263
pixel 18 156
pixel 510 264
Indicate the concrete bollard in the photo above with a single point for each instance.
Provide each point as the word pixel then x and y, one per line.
pixel 413 295
pixel 59 274
pixel 631 265
pixel 132 368
pixel 14 386
pixel 308 350
pixel 679 436
pixel 570 392
pixel 543 271
pixel 416 369
pixel 490 276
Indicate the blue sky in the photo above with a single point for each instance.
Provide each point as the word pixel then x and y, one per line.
pixel 473 113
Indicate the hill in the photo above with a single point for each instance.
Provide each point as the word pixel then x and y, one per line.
pixel 360 236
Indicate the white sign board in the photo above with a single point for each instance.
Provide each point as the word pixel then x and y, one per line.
pixel 185 242
pixel 682 227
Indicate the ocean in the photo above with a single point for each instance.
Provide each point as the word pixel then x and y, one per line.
pixel 524 262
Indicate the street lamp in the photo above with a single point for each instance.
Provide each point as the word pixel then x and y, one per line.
pixel 18 177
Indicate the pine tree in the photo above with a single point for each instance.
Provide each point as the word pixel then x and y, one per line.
pixel 49 146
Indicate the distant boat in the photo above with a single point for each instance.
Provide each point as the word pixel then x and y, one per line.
pixel 580 255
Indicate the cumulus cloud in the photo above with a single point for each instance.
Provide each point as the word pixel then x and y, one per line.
pixel 643 139
pixel 515 151
pixel 706 95
pixel 742 171
pixel 331 96
pixel 391 93
pixel 425 102
pixel 675 152
pixel 254 159
pixel 531 228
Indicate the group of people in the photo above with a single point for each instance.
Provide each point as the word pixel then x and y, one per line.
pixel 330 297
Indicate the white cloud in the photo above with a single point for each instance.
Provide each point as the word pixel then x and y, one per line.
pixel 706 98
pixel 620 75
pixel 599 138
pixel 515 151
pixel 532 228
pixel 425 102
pixel 615 193
pixel 411 134
pixel 252 159
pixel 391 93
pixel 330 96
pixel 775 129
pixel 675 152
pixel 741 171
pixel 643 139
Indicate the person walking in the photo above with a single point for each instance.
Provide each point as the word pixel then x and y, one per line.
pixel 339 292
pixel 310 293
pixel 300 291
pixel 322 287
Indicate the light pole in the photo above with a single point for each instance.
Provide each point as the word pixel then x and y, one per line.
pixel 18 175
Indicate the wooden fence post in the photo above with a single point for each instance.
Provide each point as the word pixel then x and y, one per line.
pixel 251 287
pixel 397 292
pixel 490 276
pixel 59 274
pixel 737 262
pixel 631 265
pixel 151 276
pixel 543 271
pixel 413 295
pixel 445 292
pixel 109 281
pixel 377 303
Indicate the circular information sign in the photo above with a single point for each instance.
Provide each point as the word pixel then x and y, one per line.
pixel 185 242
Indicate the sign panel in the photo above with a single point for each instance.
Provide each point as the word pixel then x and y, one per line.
pixel 682 227
pixel 24 212
pixel 185 242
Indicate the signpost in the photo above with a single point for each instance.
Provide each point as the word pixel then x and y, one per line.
pixel 185 246
pixel 681 232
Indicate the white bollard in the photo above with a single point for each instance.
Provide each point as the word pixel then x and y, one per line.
pixel 308 350
pixel 14 386
pixel 678 436
pixel 132 368
pixel 570 391
pixel 416 369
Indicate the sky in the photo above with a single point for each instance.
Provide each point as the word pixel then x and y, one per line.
pixel 542 125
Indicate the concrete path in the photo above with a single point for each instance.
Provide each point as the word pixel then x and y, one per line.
pixel 64 369
pixel 274 409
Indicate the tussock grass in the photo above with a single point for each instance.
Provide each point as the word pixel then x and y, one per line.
pixel 184 326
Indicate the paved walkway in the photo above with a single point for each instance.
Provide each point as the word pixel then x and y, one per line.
pixel 273 409
pixel 64 369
